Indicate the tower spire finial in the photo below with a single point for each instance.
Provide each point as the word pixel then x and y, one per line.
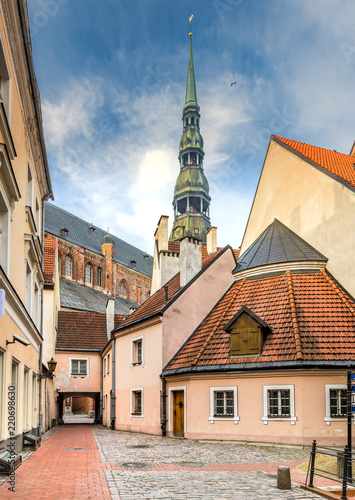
pixel 190 19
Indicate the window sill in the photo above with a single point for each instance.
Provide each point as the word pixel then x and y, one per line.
pixel 135 415
pixel 292 420
pixel 330 420
pixel 137 364
pixel 225 419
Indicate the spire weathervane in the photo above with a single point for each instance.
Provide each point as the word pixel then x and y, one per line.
pixel 190 19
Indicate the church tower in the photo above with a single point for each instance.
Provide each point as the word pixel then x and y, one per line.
pixel 191 199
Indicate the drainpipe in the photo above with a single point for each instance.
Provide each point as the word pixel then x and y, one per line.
pixel 101 388
pixel 40 422
pixel 163 406
pixel 113 395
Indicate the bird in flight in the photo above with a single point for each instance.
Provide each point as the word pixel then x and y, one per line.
pixel 234 83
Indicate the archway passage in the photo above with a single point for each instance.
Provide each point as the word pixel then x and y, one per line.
pixel 77 407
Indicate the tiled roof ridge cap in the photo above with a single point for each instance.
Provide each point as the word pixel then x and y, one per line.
pixel 295 327
pixel 339 292
pixel 284 139
pixel 207 341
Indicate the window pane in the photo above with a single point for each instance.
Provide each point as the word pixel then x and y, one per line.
pixel 75 366
pixel 278 403
pixel 338 402
pixel 139 351
pixel 83 367
pixel 122 289
pixel 88 273
pixel 224 403
pixel 137 402
pixel 99 277
pixel 68 266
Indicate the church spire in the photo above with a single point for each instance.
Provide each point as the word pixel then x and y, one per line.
pixel 191 199
pixel 191 95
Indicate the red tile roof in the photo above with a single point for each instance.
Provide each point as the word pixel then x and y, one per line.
pixel 50 252
pixel 310 317
pixel 339 164
pixel 161 298
pixel 174 246
pixel 82 330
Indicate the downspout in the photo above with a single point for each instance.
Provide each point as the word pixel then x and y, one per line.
pixel 163 406
pixel 101 388
pixel 41 327
pixel 113 395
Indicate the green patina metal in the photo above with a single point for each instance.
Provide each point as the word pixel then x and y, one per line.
pixel 191 194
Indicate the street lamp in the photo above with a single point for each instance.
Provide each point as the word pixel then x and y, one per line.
pixel 51 368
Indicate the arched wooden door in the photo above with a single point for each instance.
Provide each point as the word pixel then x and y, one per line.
pixel 178 410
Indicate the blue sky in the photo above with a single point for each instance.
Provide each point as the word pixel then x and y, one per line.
pixel 112 77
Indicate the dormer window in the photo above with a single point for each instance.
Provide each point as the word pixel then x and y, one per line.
pixel 92 229
pixel 146 256
pixel 133 262
pixel 247 333
pixel 64 231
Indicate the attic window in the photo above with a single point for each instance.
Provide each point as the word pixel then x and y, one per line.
pixel 246 334
pixel 64 231
pixel 92 229
pixel 133 262
pixel 146 256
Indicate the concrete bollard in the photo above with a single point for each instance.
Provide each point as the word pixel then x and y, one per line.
pixel 283 478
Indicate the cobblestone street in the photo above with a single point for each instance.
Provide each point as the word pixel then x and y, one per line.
pixel 81 462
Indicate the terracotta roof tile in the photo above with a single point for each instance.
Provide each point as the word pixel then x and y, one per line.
pixel 339 164
pixel 82 330
pixel 174 246
pixel 308 313
pixel 50 252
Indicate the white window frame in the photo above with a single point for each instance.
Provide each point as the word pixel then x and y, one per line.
pixel 88 270
pixel 108 364
pixel 328 419
pixel 235 418
pixel 104 401
pixel 265 418
pixel 2 392
pixel 78 375
pixel 171 409
pixel 68 276
pixel 34 399
pixel 133 351
pixel 131 403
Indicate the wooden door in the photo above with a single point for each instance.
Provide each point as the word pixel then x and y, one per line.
pixel 178 421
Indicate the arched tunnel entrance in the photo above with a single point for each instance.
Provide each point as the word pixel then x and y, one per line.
pixel 78 407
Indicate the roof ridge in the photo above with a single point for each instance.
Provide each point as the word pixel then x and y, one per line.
pixel 208 339
pixel 295 326
pixel 282 139
pixel 339 292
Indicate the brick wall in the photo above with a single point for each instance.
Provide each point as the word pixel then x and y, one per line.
pixel 82 404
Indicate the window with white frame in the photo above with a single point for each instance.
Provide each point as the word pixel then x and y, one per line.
pixel 36 305
pixel 5 84
pixel 37 218
pixel 79 367
pixel 68 267
pixel 104 401
pixel 279 403
pixel 223 404
pixel 99 276
pixel 28 295
pixel 335 402
pixel 108 364
pixel 88 273
pixel 104 367
pixel 34 400
pixel 122 289
pixel 29 193
pixel 137 351
pixel 26 393
pixel 15 388
pixel 137 402
pixel 4 231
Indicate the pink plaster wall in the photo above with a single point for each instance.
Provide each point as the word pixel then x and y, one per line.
pixel 187 312
pixel 310 409
pixel 106 388
pixel 78 383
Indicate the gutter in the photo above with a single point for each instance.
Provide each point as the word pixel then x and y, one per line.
pixel 22 7
pixel 269 366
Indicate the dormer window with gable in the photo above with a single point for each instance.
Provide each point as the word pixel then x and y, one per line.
pixel 247 333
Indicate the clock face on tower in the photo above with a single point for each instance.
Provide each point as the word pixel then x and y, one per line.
pixel 178 232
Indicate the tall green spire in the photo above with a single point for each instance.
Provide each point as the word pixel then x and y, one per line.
pixel 191 95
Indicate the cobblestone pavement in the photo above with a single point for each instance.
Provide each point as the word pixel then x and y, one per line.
pixel 153 467
pixel 79 462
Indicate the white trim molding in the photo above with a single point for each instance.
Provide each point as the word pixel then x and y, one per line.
pixel 87 375
pixel 132 390
pixel 328 419
pixel 235 417
pixel 292 418
pixel 133 350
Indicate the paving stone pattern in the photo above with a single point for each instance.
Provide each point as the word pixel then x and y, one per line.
pixel 169 479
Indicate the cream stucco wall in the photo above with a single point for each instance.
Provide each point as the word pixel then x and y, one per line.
pixel 187 312
pixel 107 386
pixel 309 400
pixel 77 383
pixel 144 377
pixel 318 208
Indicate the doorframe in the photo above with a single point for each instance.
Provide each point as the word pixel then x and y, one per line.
pixel 170 402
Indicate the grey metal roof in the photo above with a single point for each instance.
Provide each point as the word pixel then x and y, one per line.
pixel 79 233
pixel 83 298
pixel 275 245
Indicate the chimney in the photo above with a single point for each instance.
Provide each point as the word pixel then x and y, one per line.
pixel 211 240
pixel 110 316
pixel 190 259
pixel 166 262
pixel 161 234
